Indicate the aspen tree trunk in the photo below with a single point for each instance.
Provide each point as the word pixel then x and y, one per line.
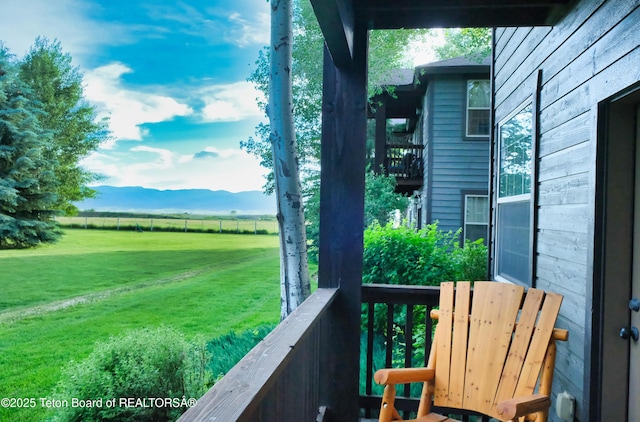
pixel 294 268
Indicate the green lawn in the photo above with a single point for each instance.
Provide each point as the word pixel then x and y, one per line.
pixel 204 284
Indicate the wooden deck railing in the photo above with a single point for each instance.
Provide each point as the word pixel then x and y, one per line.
pixel 279 379
pixel 404 161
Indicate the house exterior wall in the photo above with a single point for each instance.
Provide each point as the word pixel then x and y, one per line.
pixel 453 165
pixel 590 55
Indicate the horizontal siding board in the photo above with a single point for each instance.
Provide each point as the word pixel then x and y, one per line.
pixel 542 55
pixel 503 35
pixel 608 49
pixel 567 273
pixel 566 218
pixel 573 189
pixel 568 134
pixel 512 48
pixel 587 35
pixel 569 248
pixel 572 160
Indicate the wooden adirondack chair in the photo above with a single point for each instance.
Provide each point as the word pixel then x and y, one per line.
pixel 488 361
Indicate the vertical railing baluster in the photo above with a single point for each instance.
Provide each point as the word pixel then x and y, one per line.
pixel 370 335
pixel 389 354
pixel 408 348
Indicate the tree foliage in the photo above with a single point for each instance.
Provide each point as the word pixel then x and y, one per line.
pixel 28 184
pixel 472 43
pixel 67 116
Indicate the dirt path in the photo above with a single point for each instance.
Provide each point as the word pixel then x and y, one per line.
pixel 11 316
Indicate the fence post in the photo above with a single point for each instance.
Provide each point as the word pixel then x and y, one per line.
pixel 220 226
pixel 85 222
pixel 151 226
pixel 255 227
pixel 185 226
pixel 237 227
pixel 118 224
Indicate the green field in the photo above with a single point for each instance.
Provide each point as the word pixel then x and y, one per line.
pixel 58 300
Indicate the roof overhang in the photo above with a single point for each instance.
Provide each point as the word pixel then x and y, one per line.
pixel 337 18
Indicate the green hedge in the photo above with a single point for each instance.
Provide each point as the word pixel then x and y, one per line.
pixel 424 257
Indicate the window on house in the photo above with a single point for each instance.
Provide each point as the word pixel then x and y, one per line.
pixel 514 197
pixel 478 108
pixel 476 217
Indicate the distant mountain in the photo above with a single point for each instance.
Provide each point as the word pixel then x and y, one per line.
pixel 134 199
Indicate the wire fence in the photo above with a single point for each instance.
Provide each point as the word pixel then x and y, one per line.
pixel 240 226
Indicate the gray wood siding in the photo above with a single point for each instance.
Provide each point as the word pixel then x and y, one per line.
pixel 456 165
pixel 590 55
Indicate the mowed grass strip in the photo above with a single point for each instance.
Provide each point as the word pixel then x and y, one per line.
pixel 87 261
pixel 228 293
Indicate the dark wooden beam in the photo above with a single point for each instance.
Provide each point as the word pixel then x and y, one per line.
pixel 336 20
pixel 381 138
pixel 462 17
pixel 387 14
pixel 343 152
pixel 432 4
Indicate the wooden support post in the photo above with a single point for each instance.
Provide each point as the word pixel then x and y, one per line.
pixel 343 151
pixel 381 139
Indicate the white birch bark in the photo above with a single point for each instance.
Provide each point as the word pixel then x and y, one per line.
pixel 294 267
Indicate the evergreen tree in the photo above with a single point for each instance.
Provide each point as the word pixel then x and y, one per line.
pixel 27 180
pixel 72 121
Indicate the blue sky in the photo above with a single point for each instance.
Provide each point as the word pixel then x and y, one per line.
pixel 171 75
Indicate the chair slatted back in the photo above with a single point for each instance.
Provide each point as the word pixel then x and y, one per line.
pixel 496 350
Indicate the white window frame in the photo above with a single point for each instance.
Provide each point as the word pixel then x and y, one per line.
pixel 465 222
pixel 469 108
pixel 528 197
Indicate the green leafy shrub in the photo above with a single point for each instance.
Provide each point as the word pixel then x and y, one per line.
pixel 142 364
pixel 229 349
pixel 425 257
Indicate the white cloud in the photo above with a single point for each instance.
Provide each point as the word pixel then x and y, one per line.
pixel 245 32
pixel 230 102
pixel 128 109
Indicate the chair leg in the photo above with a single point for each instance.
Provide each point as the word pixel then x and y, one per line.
pixel 387 409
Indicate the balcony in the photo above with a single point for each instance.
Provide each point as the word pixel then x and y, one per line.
pixel 288 376
pixel 405 163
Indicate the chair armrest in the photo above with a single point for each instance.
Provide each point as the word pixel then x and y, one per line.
pixel 394 376
pixel 521 406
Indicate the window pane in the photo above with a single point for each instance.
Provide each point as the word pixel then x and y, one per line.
pixel 477 210
pixel 478 122
pixel 478 108
pixel 479 94
pixel 474 232
pixel 515 154
pixel 513 241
